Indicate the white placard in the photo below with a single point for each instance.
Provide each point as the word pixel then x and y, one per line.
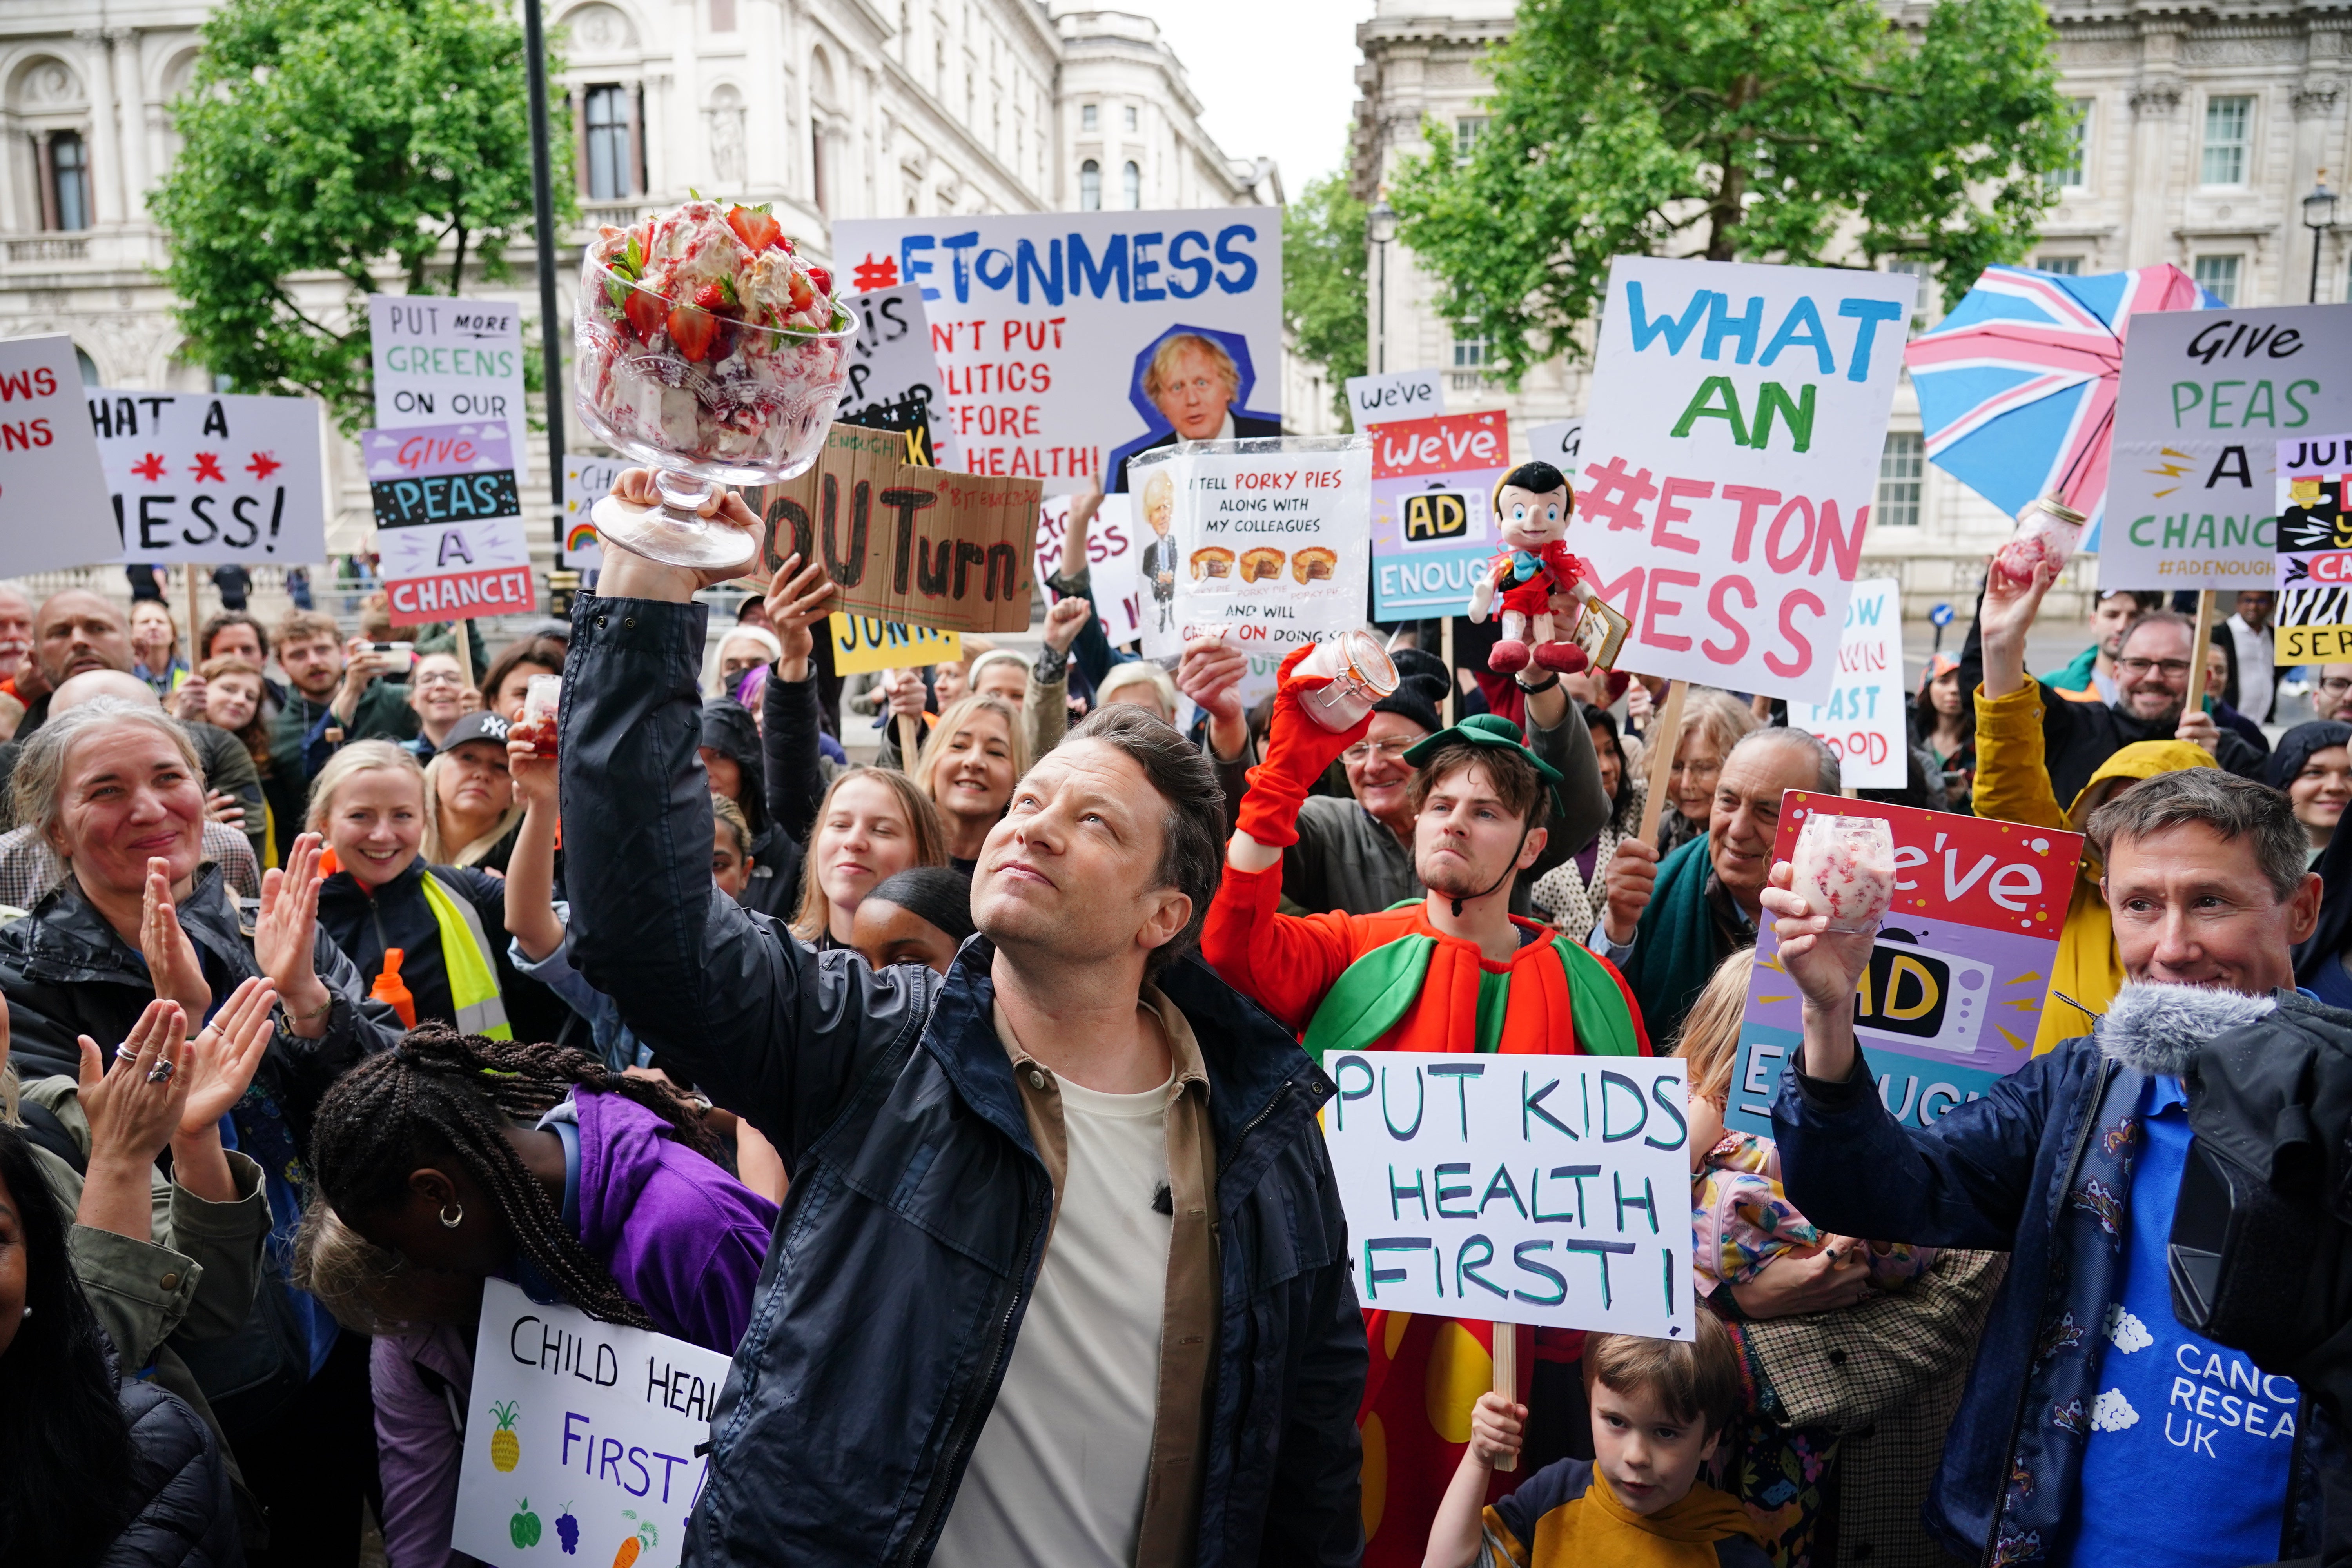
pixel 2206 397
pixel 440 359
pixel 1862 721
pixel 53 510
pixel 1111 557
pixel 211 478
pixel 1560 442
pixel 1730 458
pixel 891 364
pixel 1045 324
pixel 1517 1189
pixel 586 481
pixel 580 1436
pixel 1399 394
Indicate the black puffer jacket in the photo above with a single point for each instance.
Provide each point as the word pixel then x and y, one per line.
pixel 185 1517
pixel 916 1224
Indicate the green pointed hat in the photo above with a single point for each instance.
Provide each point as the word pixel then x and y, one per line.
pixel 1494 730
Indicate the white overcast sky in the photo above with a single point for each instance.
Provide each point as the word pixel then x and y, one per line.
pixel 1276 78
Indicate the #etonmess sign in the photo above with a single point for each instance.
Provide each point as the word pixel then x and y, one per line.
pixel 1863 721
pixel 581 1437
pixel 1517 1189
pixel 1067 341
pixel 212 478
pixel 53 510
pixel 449 522
pixel 442 361
pixel 1739 414
pixel 1956 979
pixel 2314 539
pixel 2206 397
pixel 1432 525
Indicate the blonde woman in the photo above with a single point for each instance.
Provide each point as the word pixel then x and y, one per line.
pixel 470 811
pixel 968 769
pixel 872 825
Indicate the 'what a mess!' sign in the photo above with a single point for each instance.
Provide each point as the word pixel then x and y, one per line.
pixel 1517 1189
pixel 581 1438
pixel 213 478
pixel 1730 459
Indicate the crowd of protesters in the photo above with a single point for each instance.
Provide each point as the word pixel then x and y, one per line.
pixel 332 993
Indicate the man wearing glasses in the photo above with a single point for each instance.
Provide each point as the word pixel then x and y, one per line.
pixel 2331 694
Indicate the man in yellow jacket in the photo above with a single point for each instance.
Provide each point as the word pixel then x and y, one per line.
pixel 2012 784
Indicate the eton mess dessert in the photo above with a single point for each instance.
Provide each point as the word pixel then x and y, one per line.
pixel 1844 868
pixel 2046 532
pixel 706 341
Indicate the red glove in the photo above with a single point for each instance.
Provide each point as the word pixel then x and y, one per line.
pixel 1298 750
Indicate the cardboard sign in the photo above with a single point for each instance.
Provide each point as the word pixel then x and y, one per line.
pixel 905 543
pixel 894 379
pixel 1432 510
pixel 1047 327
pixel 1864 721
pixel 2206 397
pixel 445 361
pixel 581 1436
pixel 1401 395
pixel 1957 981
pixel 1517 1189
pixel 53 510
pixel 1560 442
pixel 448 522
pixel 1730 460
pixel 862 643
pixel 1269 548
pixel 1112 555
pixel 586 481
pixel 212 478
pixel 2315 538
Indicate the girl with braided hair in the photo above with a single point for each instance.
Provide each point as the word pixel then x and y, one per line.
pixel 536 1164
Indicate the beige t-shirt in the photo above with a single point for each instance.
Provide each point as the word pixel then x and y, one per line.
pixel 1058 1474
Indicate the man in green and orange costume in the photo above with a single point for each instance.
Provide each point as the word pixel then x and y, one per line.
pixel 1454 971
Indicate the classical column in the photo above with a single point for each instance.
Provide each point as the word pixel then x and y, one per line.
pixel 131 93
pixel 2155 106
pixel 105 177
pixel 46 163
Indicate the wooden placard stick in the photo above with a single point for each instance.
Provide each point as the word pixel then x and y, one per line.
pixel 1453 677
pixel 193 622
pixel 465 651
pixel 907 736
pixel 1507 1377
pixel 1662 740
pixel 2196 702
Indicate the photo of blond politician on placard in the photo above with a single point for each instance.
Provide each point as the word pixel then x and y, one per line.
pixel 1188 387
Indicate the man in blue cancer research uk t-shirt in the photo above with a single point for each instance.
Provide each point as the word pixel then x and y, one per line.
pixel 2178 1419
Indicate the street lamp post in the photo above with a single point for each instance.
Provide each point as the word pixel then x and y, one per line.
pixel 1381 225
pixel 2319 216
pixel 543 200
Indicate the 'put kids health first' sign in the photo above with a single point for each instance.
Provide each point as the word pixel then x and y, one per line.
pixel 1957 978
pixel 581 1437
pixel 1517 1189
pixel 448 522
pixel 1737 417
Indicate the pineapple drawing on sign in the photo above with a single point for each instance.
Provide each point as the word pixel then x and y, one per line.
pixel 506 1448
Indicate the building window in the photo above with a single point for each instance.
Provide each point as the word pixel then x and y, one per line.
pixel 1089 117
pixel 608 142
pixel 2229 122
pixel 1466 132
pixel 2075 174
pixel 2064 265
pixel 1902 468
pixel 1090 186
pixel 1924 271
pixel 722 16
pixel 1469 353
pixel 2219 275
pixel 1131 121
pixel 1131 180
pixel 70 176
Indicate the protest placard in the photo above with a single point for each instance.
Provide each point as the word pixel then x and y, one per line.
pixel 1270 548
pixel 905 543
pixel 2315 541
pixel 1399 394
pixel 864 642
pixel 53 510
pixel 1432 510
pixel 1958 976
pixel 448 361
pixel 2206 397
pixel 212 478
pixel 894 377
pixel 449 521
pixel 1560 443
pixel 1864 721
pixel 1048 326
pixel 586 481
pixel 1517 1189
pixel 1112 556
pixel 581 1436
pixel 1730 457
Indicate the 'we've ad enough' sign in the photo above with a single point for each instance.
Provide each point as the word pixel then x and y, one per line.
pixel 1517 1189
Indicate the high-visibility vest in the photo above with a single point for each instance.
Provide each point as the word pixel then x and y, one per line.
pixel 466 956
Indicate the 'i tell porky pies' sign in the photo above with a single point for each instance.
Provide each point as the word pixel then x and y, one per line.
pixel 1517 1189
pixel 449 522
pixel 1729 462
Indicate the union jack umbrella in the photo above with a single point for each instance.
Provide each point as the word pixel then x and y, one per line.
pixel 2017 386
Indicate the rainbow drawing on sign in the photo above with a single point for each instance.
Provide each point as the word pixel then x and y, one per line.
pixel 579 536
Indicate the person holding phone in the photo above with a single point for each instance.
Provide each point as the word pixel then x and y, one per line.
pixel 341 692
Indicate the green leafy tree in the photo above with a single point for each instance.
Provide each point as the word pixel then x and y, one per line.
pixel 1323 281
pixel 345 140
pixel 1794 130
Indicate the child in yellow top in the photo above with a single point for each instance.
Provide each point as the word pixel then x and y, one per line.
pixel 1659 1407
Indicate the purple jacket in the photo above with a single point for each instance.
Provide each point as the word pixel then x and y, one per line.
pixel 683 1238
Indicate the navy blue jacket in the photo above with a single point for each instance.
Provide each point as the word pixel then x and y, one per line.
pixel 911 1239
